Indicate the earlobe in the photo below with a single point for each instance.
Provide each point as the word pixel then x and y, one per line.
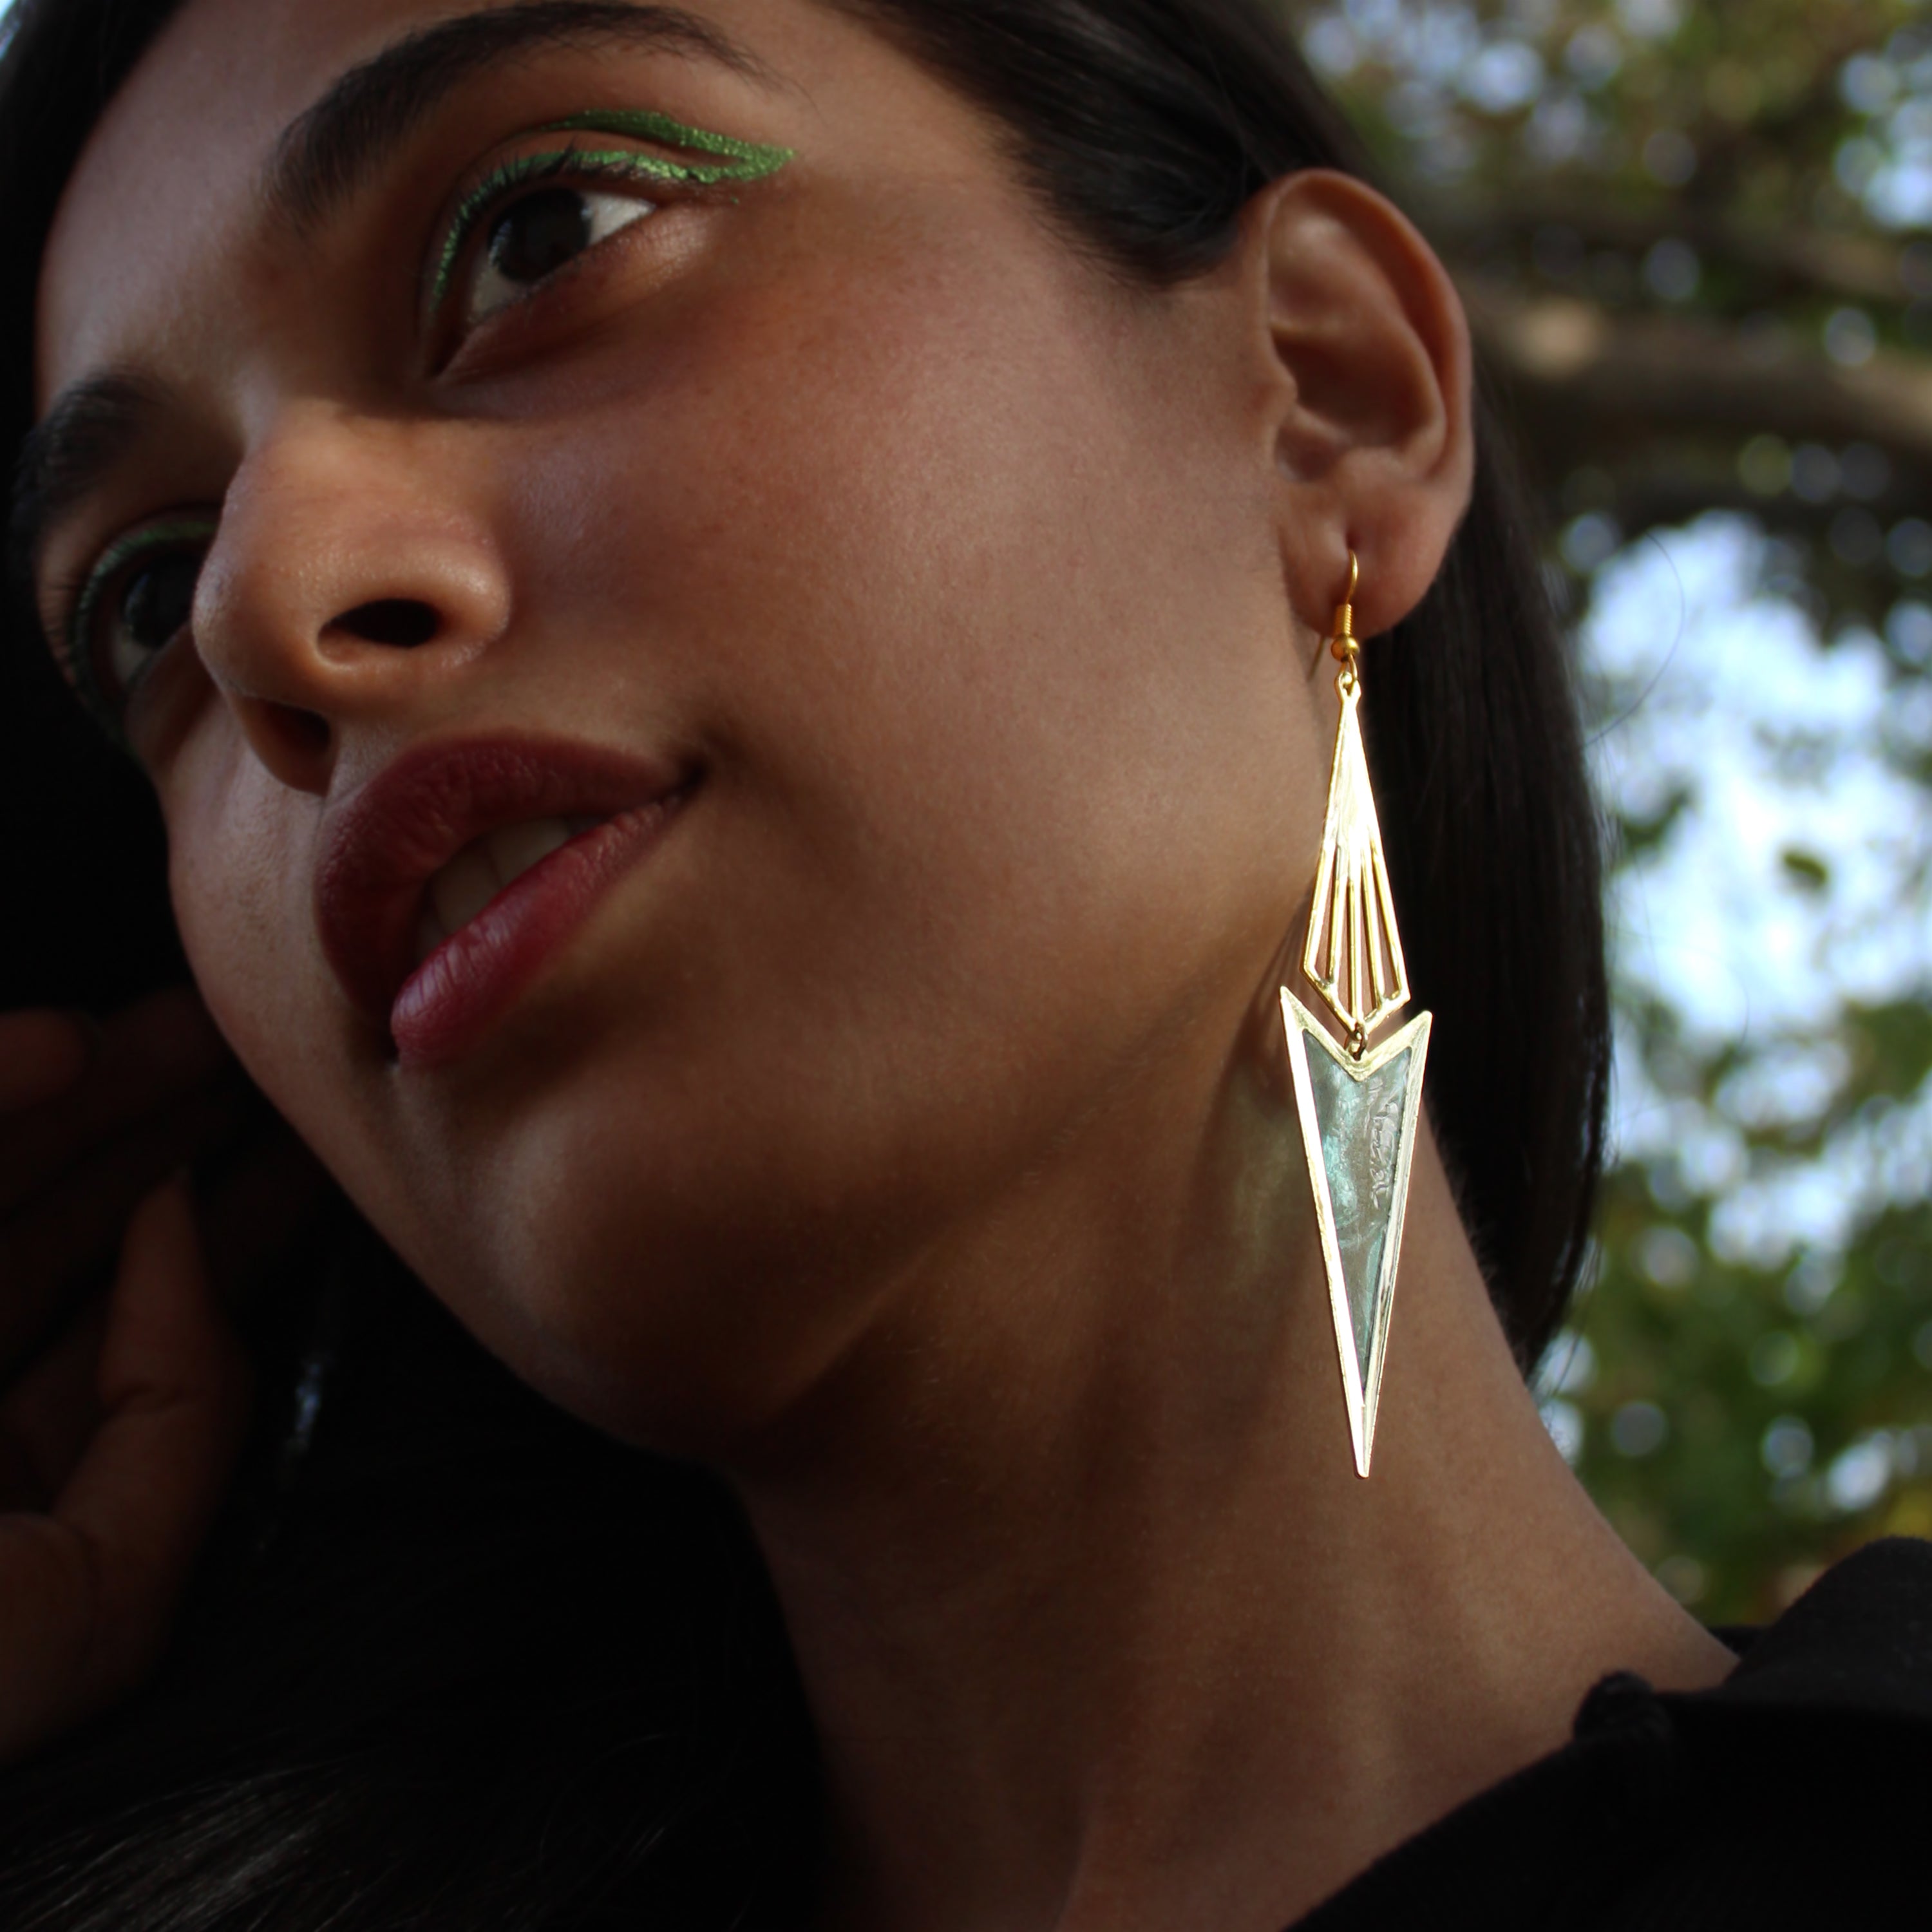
pixel 1370 429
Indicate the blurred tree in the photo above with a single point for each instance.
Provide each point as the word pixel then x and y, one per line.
pixel 1692 242
pixel 1685 235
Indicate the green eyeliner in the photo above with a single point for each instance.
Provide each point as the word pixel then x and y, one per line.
pixel 75 655
pixel 736 161
pixel 753 159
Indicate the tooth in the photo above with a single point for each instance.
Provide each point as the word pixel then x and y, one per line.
pixel 430 934
pixel 516 848
pixel 463 889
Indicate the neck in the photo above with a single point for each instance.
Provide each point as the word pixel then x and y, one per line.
pixel 1099 1625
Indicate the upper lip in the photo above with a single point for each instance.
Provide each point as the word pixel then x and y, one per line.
pixel 384 843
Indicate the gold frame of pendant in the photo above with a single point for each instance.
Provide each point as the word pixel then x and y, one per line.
pixel 1361 1383
pixel 1352 920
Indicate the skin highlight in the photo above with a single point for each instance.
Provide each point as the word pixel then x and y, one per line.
pixel 911 1137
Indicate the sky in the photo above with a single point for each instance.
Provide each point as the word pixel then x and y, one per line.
pixel 1794 878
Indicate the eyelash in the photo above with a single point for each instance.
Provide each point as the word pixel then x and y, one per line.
pixel 84 598
pixel 496 193
pixel 728 160
pixel 92 591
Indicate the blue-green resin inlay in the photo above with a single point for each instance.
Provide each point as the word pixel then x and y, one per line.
pixel 1361 1124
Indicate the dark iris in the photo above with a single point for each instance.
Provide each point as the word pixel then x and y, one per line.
pixel 539 234
pixel 159 600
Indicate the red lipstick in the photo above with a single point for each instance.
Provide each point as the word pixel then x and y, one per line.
pixel 383 845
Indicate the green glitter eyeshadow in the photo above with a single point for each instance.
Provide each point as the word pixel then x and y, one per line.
pixel 736 161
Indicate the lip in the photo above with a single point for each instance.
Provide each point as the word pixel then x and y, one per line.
pixel 383 844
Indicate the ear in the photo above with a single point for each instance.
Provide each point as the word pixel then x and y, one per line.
pixel 1367 389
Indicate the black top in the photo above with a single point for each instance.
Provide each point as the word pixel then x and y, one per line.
pixel 1798 1793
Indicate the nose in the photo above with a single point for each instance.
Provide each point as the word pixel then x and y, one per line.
pixel 349 578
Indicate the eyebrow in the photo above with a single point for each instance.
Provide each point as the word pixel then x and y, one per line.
pixel 89 430
pixel 327 152
pixel 324 156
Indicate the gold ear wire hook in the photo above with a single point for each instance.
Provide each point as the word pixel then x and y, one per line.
pixel 1343 645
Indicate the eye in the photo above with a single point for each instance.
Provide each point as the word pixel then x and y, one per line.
pixel 152 611
pixel 538 234
pixel 138 600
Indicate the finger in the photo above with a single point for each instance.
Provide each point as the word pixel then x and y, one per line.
pixel 42 1054
pixel 48 1414
pixel 260 1209
pixel 87 1592
pixel 55 1249
pixel 153 1054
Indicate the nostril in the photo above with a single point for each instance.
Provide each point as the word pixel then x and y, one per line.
pixel 400 621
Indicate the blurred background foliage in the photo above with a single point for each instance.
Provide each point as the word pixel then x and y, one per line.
pixel 1695 243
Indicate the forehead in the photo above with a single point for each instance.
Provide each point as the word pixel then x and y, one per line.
pixel 191 127
pixel 180 152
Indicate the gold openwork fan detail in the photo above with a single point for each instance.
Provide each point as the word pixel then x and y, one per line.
pixel 1353 954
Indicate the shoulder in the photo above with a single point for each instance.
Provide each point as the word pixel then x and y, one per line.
pixel 1793 1795
pixel 1857 1644
pixel 1796 1793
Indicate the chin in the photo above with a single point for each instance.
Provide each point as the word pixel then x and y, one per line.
pixel 672 1265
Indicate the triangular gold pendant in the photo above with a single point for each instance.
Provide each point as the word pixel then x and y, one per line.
pixel 1358 1126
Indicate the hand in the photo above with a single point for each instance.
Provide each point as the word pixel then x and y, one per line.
pixel 124 1392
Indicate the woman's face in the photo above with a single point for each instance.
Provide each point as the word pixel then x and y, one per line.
pixel 883 600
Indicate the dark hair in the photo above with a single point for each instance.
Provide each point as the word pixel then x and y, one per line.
pixel 489 1670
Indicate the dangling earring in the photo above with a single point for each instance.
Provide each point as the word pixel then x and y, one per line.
pixel 1359 1105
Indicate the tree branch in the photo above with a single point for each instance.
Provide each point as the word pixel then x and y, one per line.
pixel 1587 382
pixel 1784 261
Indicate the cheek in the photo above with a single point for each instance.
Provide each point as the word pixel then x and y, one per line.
pixel 241 861
pixel 233 862
pixel 993 706
pixel 938 585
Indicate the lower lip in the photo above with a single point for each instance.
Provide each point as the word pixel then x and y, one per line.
pixel 478 973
